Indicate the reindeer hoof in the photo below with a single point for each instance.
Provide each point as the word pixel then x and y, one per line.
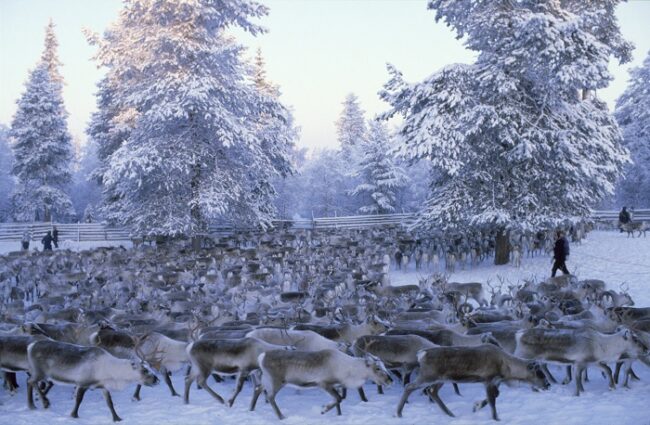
pixel 117 419
pixel 231 402
pixel 135 398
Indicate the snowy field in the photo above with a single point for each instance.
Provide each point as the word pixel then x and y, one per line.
pixel 609 256
pixel 66 244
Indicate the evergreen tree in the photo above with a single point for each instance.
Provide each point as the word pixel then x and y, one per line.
pixel 517 139
pixel 42 150
pixel 50 54
pixel 6 180
pixel 633 115
pixel 351 126
pixel 200 137
pixel 380 177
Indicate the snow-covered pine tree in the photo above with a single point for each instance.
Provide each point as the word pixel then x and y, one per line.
pixel 194 149
pixel 6 179
pixel 50 54
pixel 42 150
pixel 518 138
pixel 633 116
pixel 380 177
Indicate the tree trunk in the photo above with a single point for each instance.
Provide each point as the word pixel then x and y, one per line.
pixel 195 213
pixel 502 248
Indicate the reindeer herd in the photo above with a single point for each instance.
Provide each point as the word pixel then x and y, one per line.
pixel 303 308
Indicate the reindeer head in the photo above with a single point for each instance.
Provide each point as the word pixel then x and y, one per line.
pixel 378 373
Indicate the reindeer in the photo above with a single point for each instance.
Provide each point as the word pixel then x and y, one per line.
pixel 225 356
pixel 302 340
pixel 324 369
pixel 396 351
pixel 84 367
pixel 347 332
pixel 638 226
pixel 486 363
pixel 579 348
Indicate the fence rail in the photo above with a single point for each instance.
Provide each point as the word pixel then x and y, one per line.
pixel 100 232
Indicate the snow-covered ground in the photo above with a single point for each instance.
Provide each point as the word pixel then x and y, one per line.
pixel 6 247
pixel 607 255
pixel 604 255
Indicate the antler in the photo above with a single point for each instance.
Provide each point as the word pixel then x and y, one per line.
pixel 155 357
pixel 625 287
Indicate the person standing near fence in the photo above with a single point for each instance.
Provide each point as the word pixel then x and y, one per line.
pixel 55 237
pixel 560 253
pixel 47 241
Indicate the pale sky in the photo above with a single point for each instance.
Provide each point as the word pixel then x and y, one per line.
pixel 318 51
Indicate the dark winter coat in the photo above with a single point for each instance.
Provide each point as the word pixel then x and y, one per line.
pixel 55 235
pixel 47 242
pixel 561 249
pixel 624 217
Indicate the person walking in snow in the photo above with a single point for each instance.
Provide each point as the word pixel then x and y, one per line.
pixel 47 241
pixel 560 253
pixel 623 218
pixel 55 237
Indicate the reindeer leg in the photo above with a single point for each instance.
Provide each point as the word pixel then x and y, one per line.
pixel 240 383
pixel 337 401
pixel 30 396
pixel 167 376
pixel 578 378
pixel 136 393
pixel 271 395
pixel 433 393
pixel 47 387
pixel 41 394
pixel 77 402
pixel 456 389
pixel 362 395
pixel 608 374
pixel 380 389
pixel 492 391
pixel 633 375
pixel 548 374
pixel 405 395
pixel 188 383
pixel 567 378
pixel 109 403
pixel 617 371
pixel 10 381
pixel 256 394
pixel 203 383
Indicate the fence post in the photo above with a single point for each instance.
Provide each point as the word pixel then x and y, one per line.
pixel 78 232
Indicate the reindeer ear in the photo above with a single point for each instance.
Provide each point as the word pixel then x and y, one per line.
pixel 627 334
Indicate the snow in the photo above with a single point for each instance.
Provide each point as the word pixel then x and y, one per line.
pixel 9 246
pixel 610 256
pixel 607 255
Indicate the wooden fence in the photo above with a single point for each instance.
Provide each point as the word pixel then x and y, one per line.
pixel 100 232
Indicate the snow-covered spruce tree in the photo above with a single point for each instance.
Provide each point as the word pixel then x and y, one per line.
pixel 85 191
pixel 6 179
pixel 42 150
pixel 633 116
pixel 380 177
pixel 50 54
pixel 351 126
pixel 517 138
pixel 196 147
pixel 351 134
